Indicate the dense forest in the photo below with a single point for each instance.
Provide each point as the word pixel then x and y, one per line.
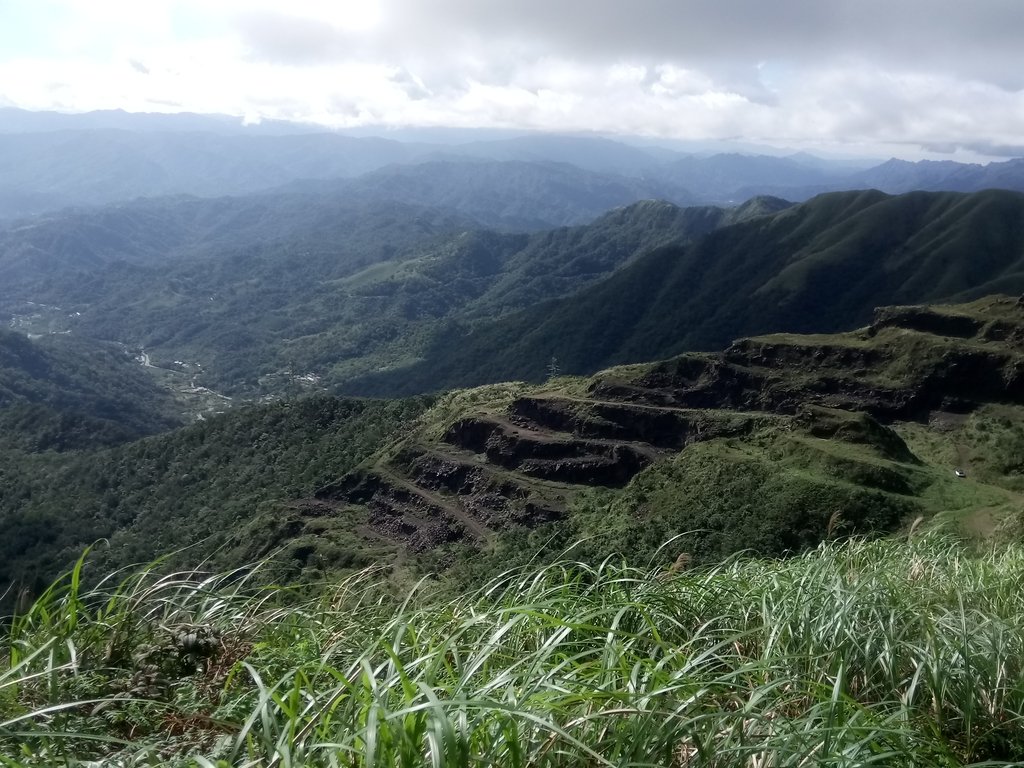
pixel 217 486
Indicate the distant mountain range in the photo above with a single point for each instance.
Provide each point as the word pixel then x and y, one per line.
pixel 50 161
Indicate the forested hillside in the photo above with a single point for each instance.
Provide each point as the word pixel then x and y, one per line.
pixel 59 393
pixel 766 446
pixel 278 294
pixel 219 489
pixel 771 445
pixel 820 266
pixel 261 291
pixel 69 256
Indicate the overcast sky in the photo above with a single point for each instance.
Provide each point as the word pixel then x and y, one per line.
pixel 911 78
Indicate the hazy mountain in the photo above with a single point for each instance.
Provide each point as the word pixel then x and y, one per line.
pixel 14 120
pixel 49 170
pixel 898 176
pixel 50 161
pixel 735 177
pixel 513 194
pixel 597 154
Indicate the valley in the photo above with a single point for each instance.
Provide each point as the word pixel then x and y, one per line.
pixel 269 299
pixel 243 309
pixel 393 300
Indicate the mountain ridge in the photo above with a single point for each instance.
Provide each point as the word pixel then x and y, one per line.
pixel 351 289
pixel 818 266
pixel 513 457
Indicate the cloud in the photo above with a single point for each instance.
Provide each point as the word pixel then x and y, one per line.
pixel 979 40
pixel 984 148
pixel 899 76
pixel 411 85
pixel 279 38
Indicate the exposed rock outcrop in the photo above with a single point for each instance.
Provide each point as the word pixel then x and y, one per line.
pixel 520 463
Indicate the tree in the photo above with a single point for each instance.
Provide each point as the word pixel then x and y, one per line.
pixel 553 368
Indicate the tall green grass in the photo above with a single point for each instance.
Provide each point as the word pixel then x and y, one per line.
pixel 887 653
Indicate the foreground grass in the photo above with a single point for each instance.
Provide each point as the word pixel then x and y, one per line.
pixel 866 653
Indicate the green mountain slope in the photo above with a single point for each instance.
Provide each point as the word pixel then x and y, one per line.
pixel 60 393
pixel 195 487
pixel 68 256
pixel 772 445
pixel 339 292
pixel 564 260
pixel 392 299
pixel 820 266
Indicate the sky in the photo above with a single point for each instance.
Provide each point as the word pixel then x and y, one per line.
pixel 905 78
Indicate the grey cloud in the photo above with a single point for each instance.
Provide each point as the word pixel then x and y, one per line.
pixel 284 39
pixel 138 66
pixel 889 71
pixel 653 30
pixel 980 39
pixel 745 81
pixel 986 148
pixel 413 86
pixel 344 107
pixel 977 39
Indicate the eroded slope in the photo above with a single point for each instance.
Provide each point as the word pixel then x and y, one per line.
pixel 778 442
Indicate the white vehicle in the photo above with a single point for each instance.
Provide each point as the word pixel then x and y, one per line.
pixel 959 473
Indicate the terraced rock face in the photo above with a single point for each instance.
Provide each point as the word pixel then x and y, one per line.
pixel 519 461
pixel 909 362
pixel 519 466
